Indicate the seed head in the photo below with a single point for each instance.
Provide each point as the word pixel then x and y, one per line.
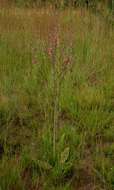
pixel 50 52
pixel 67 61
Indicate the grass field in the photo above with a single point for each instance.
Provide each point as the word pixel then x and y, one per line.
pixel 56 100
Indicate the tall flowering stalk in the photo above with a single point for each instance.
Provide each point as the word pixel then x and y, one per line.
pixel 60 64
pixel 52 52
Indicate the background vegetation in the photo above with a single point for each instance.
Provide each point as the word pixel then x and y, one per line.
pixel 56 98
pixel 61 3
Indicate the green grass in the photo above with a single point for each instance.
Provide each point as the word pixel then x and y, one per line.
pixel 82 156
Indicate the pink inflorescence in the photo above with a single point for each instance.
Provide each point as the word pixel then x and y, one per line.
pixel 50 51
pixel 67 61
pixel 53 41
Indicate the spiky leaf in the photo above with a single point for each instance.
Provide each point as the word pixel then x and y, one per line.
pixel 44 165
pixel 64 155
